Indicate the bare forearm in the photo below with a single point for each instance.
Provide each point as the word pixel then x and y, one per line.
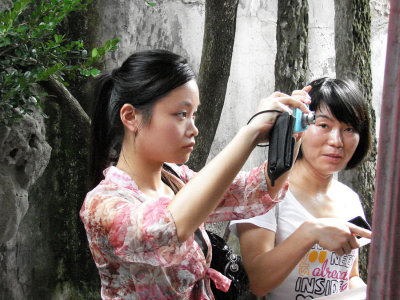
pixel 268 270
pixel 205 190
pixel 208 186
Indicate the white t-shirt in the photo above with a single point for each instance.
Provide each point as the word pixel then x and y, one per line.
pixel 320 272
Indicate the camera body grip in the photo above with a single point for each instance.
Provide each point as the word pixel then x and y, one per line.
pixel 281 141
pixel 281 146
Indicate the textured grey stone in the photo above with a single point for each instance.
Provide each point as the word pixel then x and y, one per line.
pixel 24 154
pixel 5 4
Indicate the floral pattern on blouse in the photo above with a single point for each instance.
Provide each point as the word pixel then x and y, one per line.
pixel 134 243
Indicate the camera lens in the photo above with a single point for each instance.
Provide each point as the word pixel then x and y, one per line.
pixel 308 119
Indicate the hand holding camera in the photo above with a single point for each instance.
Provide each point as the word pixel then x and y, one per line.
pixel 302 120
pixel 282 143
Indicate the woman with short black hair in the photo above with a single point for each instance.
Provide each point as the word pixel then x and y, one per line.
pixel 304 248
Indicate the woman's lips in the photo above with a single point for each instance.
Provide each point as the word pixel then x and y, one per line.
pixel 333 157
pixel 189 146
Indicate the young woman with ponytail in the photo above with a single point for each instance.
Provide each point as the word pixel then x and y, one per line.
pixel 140 218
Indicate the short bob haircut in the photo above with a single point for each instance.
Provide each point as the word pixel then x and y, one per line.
pixel 347 104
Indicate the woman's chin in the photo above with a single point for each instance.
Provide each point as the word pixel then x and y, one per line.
pixel 179 161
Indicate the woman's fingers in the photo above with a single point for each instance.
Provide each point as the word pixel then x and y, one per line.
pixel 347 248
pixel 279 94
pixel 339 236
pixel 281 101
pixel 359 231
pixel 354 243
pixel 340 252
pixel 291 102
pixel 303 96
pixel 284 108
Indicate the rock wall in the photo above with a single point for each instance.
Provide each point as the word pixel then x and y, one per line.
pixel 24 156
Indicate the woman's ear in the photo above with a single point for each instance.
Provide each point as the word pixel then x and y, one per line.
pixel 129 117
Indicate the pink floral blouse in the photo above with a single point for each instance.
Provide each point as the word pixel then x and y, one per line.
pixel 134 242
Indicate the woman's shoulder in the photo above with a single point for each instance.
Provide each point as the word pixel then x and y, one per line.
pixel 104 186
pixel 116 184
pixel 108 190
pixel 342 191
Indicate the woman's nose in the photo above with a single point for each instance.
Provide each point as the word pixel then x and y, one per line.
pixel 192 129
pixel 335 138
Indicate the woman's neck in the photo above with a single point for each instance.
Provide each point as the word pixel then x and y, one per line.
pixel 146 175
pixel 303 175
pixel 311 189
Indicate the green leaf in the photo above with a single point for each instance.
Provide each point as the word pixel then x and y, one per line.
pixel 94 72
pixel 21 29
pixel 58 38
pixel 94 52
pixel 148 3
pixel 33 50
pixel 85 72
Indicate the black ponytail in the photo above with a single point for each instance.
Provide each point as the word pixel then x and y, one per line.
pixel 105 133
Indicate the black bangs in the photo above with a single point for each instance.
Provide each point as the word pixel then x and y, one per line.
pixel 343 99
pixel 347 104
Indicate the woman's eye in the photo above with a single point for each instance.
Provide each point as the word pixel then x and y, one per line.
pixel 182 114
pixel 349 129
pixel 323 125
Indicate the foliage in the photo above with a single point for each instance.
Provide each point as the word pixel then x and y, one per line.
pixel 32 50
pixel 149 3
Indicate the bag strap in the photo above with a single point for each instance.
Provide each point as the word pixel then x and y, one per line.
pixel 172 171
pixel 198 236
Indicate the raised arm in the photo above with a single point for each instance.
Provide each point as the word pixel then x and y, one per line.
pixel 194 202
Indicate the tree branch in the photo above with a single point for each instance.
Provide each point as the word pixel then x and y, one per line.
pixel 68 102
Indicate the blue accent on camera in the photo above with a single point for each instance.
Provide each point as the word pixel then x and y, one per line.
pixel 298 123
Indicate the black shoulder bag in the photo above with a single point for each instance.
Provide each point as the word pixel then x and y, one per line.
pixel 224 261
pixel 230 265
pixel 227 263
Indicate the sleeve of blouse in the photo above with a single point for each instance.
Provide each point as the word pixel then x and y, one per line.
pixel 246 197
pixel 134 231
